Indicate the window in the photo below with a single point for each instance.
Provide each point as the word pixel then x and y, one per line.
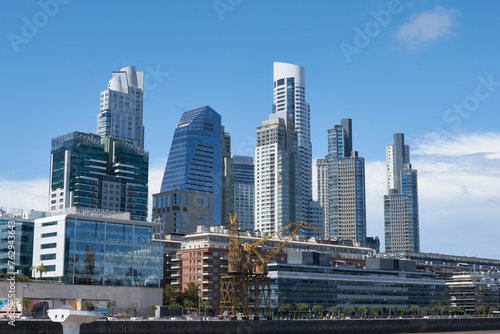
pixel 51 268
pixel 176 199
pixel 207 202
pixel 184 199
pixel 48 235
pixel 51 256
pixel 51 245
pixel 49 224
pixel 200 201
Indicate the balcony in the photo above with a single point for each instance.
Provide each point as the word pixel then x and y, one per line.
pixel 207 265
pixel 175 267
pixel 175 274
pixel 207 273
pixel 206 281
pixel 207 257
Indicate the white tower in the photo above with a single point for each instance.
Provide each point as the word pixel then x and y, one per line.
pixel 120 114
pixel 290 104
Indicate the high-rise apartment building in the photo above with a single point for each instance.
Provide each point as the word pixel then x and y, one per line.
pixel 322 187
pixel 290 104
pixel 89 172
pixel 278 179
pixel 195 166
pixel 120 114
pixel 346 187
pixel 244 191
pixel 401 218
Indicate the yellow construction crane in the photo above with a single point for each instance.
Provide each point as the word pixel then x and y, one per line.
pixel 247 286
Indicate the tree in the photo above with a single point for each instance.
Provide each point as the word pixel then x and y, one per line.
pixel 39 269
pixel 361 311
pixel 133 310
pixel 110 304
pixel 302 307
pixel 285 308
pixel 191 294
pixel 318 310
pixel 425 310
pixel 492 309
pixel 456 310
pixel 187 304
pixel 436 310
pixel 348 310
pixel 170 294
pixel 481 310
pixel 26 303
pixel 205 304
pixel 174 306
pixel 88 305
pixel 375 310
pixel 402 311
pixel 152 308
pixel 334 310
pixel 414 309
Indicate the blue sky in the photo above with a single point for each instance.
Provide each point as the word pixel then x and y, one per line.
pixel 409 74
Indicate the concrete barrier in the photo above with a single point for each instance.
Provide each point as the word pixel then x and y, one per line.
pixel 369 326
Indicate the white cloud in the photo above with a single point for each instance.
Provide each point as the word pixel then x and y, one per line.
pixel 25 194
pixel 426 27
pixel 459 194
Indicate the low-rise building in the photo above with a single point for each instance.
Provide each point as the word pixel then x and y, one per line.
pixel 86 248
pixel 470 291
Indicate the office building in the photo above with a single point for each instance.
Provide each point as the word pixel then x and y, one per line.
pixel 244 191
pixel 120 114
pixel 346 187
pixel 85 248
pixel 401 218
pixel 342 287
pixel 194 166
pixel 472 290
pixel 16 229
pixel 278 179
pixel 89 172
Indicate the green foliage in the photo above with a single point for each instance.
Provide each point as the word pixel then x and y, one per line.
pixel 285 307
pixel 348 310
pixel 187 303
pixel 88 305
pixel 361 310
pixel 205 304
pixel 402 310
pixel 170 294
pixel 174 306
pixel 152 308
pixel 133 310
pixel 415 308
pixel 457 310
pixel 375 310
pixel 110 304
pixel 492 309
pixel 334 310
pixel 481 310
pixel 318 309
pixel 191 294
pixel 301 307
pixel 39 269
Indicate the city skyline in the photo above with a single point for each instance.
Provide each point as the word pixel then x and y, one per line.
pixel 439 87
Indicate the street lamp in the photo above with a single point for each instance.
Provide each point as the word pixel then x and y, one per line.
pixel 199 301
pixel 182 312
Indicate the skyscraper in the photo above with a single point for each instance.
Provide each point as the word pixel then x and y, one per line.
pixel 89 172
pixel 195 165
pixel 346 186
pixel 322 187
pixel 290 104
pixel 401 218
pixel 244 191
pixel 278 183
pixel 227 179
pixel 120 114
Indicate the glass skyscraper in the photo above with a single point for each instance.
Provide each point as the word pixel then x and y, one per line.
pixel 195 160
pixel 90 172
pixel 401 217
pixel 346 216
pixel 244 191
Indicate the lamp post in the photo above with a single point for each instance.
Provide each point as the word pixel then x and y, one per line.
pixel 199 301
pixel 182 312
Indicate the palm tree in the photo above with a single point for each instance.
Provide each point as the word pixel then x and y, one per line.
pixel 40 268
pixel 110 304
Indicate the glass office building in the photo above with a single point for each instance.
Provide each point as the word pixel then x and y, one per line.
pixel 93 250
pixel 343 286
pixel 23 244
pixel 195 160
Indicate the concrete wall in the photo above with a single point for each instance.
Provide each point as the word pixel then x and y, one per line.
pixel 140 297
pixel 378 326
